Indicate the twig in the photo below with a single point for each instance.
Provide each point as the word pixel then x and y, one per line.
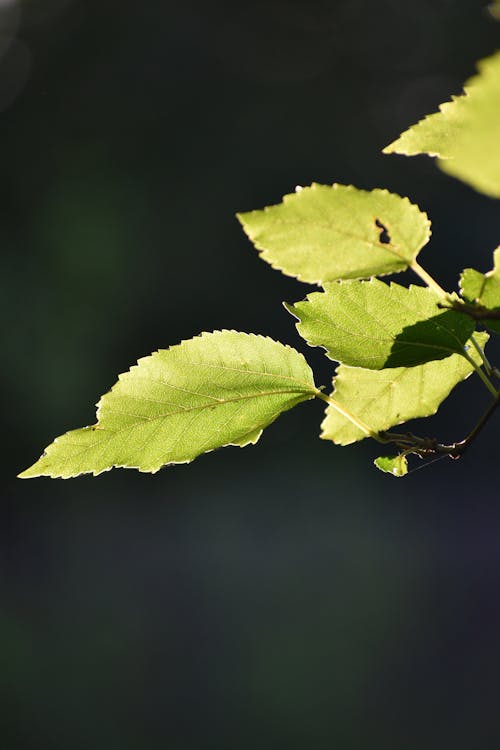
pixel 475 311
pixel 424 446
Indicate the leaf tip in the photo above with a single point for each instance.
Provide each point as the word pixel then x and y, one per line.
pixel 25 474
pixel 31 472
pixel 290 308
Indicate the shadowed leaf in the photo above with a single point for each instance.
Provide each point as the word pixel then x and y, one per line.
pixel 483 289
pixel 374 325
pixel 384 398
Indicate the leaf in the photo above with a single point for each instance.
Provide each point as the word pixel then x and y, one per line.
pixel 465 133
pixel 395 465
pixel 375 325
pixel 384 398
pixel 217 389
pixel 322 233
pixel 494 10
pixel 483 289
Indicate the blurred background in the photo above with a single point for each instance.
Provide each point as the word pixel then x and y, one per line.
pixel 283 596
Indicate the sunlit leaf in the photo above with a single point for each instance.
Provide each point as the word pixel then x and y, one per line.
pixel 322 233
pixel 375 325
pixel 217 389
pixel 395 465
pixel 465 133
pixel 384 398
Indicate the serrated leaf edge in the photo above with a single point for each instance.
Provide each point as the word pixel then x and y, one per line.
pixel 467 91
pixel 250 439
pixel 264 253
pixel 338 377
pixel 290 307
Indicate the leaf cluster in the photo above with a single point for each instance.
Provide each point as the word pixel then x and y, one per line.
pixel 399 350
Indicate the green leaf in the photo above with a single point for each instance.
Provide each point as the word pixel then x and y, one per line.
pixel 494 10
pixel 483 289
pixel 375 325
pixel 322 233
pixel 217 389
pixel 471 284
pixel 465 133
pixel 395 465
pixel 384 398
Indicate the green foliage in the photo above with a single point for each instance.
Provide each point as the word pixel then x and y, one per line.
pixel 373 325
pixel 401 351
pixel 464 134
pixel 395 465
pixel 323 233
pixel 483 290
pixel 218 389
pixel 385 398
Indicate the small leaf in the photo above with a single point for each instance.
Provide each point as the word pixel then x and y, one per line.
pixel 395 465
pixel 483 289
pixel 465 133
pixel 217 389
pixel 375 325
pixel 471 284
pixel 384 398
pixel 323 233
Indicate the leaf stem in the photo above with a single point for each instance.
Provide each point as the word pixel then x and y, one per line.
pixel 479 349
pixel 480 424
pixel 489 385
pixel 427 279
pixel 347 414
pixel 432 284
pixel 475 311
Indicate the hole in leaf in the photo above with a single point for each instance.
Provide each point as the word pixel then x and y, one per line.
pixel 384 237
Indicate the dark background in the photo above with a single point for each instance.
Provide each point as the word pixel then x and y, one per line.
pixel 286 595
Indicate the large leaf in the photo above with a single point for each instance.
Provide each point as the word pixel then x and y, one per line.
pixel 218 389
pixel 375 325
pixel 484 289
pixel 323 233
pixel 465 133
pixel 384 398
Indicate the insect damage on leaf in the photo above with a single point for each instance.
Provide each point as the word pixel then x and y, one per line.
pixel 328 232
pixel 400 350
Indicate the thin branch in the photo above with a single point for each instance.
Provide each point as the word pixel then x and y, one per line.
pixel 424 447
pixel 427 279
pixel 475 311
pixel 480 351
pixel 487 382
